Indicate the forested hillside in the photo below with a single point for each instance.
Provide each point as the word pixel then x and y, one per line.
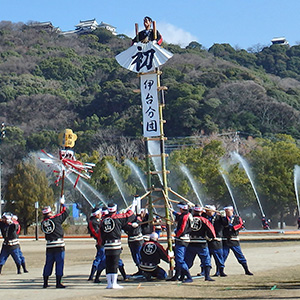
pixel 50 82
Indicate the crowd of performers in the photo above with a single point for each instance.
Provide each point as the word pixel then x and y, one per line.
pixel 199 231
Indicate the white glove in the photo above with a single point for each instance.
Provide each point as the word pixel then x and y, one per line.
pixel 171 253
pixel 134 202
pixel 222 213
pixel 9 221
pixel 135 225
pixel 62 199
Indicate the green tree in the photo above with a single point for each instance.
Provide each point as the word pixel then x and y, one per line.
pixel 203 164
pixel 25 187
pixel 273 163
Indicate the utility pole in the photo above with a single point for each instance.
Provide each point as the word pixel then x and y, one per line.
pixel 36 206
pixel 0 187
pixel 3 134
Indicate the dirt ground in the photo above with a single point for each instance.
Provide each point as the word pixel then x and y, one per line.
pixel 274 262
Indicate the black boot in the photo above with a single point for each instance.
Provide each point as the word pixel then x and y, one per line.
pixel 18 269
pixel 93 270
pixel 176 276
pixel 1 268
pixel 181 277
pixel 206 274
pixel 188 276
pixel 123 273
pixel 222 274
pixel 59 285
pixel 46 282
pixel 247 272
pixel 97 277
pixel 24 268
pixel 147 276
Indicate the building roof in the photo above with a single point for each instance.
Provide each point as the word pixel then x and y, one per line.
pixel 87 23
pixel 280 40
pixel 102 24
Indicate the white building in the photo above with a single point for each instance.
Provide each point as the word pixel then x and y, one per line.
pixel 89 26
pixel 279 41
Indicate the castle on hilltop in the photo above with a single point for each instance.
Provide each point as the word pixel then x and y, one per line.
pixel 82 27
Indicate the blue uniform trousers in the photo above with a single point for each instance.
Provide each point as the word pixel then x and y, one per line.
pixel 100 256
pixel 218 257
pixel 159 273
pixel 203 254
pixel 135 249
pixel 180 263
pixel 21 256
pixel 57 257
pixel 6 251
pixel 237 252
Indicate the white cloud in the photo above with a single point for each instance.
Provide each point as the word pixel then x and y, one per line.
pixel 174 35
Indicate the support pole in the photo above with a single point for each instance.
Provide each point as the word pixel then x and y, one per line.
pixel 149 183
pixel 36 206
pixel 164 176
pixel 0 187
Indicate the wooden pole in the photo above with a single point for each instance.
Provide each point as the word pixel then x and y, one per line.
pixel 182 198
pixel 164 171
pixel 154 30
pixel 137 31
pixel 149 183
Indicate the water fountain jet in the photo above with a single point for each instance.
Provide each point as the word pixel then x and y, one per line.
pixel 187 173
pixel 236 157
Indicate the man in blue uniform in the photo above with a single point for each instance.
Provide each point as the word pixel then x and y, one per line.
pixel 135 241
pixel 55 246
pixel 151 254
pixel 22 258
pixel 10 244
pixel 231 241
pixel 215 242
pixel 94 231
pixel 198 244
pixel 184 222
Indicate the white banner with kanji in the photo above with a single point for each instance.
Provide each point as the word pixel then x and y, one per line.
pixel 150 105
pixel 143 58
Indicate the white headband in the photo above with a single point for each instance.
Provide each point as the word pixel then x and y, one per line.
pixel 46 210
pixel 198 208
pixel 210 207
pixel 228 208
pixel 97 212
pixel 112 208
pixel 183 206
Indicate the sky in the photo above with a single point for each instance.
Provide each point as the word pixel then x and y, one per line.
pixel 240 23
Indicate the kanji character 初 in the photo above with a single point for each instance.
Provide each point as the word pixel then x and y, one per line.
pixel 143 59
